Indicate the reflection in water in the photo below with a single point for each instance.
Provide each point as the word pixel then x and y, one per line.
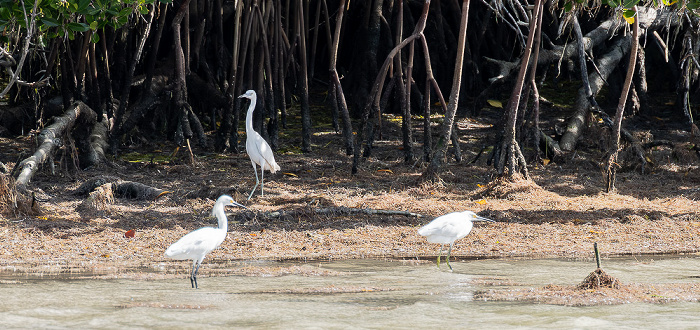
pixel 351 293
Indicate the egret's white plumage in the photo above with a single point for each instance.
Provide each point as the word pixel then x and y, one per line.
pixel 195 245
pixel 448 228
pixel 257 148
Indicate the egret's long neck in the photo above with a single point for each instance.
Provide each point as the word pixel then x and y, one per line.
pixel 249 116
pixel 221 216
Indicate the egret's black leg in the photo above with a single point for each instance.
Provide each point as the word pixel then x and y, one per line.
pixel 194 276
pixel 262 180
pixel 448 256
pixel 193 280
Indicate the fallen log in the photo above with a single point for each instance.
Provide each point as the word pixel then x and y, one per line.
pixel 136 190
pixel 97 144
pixel 120 189
pixel 91 184
pixel 49 139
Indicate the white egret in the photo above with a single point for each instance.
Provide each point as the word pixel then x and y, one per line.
pixel 257 148
pixel 448 228
pixel 195 245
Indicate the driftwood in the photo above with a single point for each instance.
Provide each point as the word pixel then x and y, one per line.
pixel 119 188
pixel 49 139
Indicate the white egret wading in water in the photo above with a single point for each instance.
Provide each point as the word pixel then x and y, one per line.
pixel 257 148
pixel 195 245
pixel 448 228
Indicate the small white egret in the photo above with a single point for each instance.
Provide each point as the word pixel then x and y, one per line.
pixel 257 148
pixel 448 228
pixel 195 245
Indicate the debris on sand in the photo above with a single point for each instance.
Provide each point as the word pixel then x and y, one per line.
pixel 13 202
pixel 598 288
pixel 599 279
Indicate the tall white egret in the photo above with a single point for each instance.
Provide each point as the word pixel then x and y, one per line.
pixel 195 245
pixel 448 228
pixel 258 150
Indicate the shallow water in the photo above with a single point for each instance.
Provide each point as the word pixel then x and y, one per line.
pixel 364 294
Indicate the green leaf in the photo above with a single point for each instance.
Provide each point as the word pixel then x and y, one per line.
pixel 93 25
pixel 95 38
pixel 78 27
pixel 568 6
pixel 83 6
pixel 629 4
pixel 50 21
pixel 692 5
pixel 121 20
pixel 126 11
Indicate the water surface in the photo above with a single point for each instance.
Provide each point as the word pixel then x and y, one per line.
pixel 360 294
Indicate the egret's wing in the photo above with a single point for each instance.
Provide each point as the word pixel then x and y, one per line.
pixel 266 155
pixel 445 229
pixel 195 244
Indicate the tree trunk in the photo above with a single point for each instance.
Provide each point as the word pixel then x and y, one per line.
pixel 510 156
pixel 606 64
pixel 445 136
pixel 611 163
pixel 338 97
pixel 402 89
pixel 126 89
pixel 303 83
pixel 373 99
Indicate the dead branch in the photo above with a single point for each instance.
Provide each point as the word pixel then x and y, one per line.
pixel 49 139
